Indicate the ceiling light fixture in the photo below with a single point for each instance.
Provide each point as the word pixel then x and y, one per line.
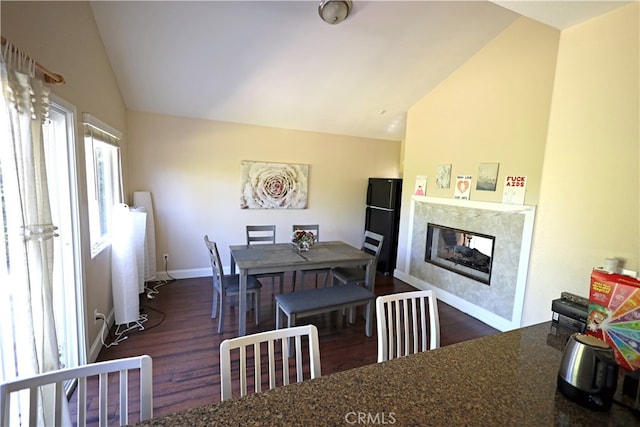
pixel 334 11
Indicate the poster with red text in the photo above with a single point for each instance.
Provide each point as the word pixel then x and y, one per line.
pixel 515 188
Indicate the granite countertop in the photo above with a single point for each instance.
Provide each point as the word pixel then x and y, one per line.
pixel 506 379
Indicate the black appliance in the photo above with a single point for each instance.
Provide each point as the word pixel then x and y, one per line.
pixel 383 217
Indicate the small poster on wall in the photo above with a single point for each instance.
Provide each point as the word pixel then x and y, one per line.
pixel 487 176
pixel 463 187
pixel 443 176
pixel 515 188
pixel 421 185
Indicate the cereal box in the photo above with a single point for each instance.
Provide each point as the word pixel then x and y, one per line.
pixel 614 315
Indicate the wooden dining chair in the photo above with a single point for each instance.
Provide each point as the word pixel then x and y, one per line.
pixel 372 244
pixel 253 355
pixel 407 322
pixel 132 377
pixel 325 272
pixel 264 234
pixel 228 285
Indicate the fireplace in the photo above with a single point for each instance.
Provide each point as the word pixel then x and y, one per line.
pixel 492 289
pixel 461 251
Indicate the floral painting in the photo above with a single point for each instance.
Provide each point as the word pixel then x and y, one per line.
pixel 274 185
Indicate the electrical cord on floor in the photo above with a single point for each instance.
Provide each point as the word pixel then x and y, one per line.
pixel 117 337
pixel 166 271
pixel 114 340
pixel 157 311
pixel 152 291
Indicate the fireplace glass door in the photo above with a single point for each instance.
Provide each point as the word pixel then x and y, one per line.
pixel 464 252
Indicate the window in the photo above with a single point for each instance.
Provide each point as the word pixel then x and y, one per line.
pixel 60 154
pixel 16 307
pixel 104 183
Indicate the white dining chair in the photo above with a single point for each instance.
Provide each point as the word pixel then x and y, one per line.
pixel 324 272
pixel 16 392
pixel 251 355
pixel 407 322
pixel 264 234
pixel 228 286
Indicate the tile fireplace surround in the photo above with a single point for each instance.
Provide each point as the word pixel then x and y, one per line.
pixel 498 304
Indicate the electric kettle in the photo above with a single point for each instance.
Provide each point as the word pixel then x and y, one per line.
pixel 588 372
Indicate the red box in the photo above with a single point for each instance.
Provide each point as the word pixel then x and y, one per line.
pixel 614 315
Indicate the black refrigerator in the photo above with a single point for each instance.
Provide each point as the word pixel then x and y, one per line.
pixel 383 217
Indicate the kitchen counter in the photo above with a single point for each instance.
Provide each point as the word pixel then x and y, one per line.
pixel 505 379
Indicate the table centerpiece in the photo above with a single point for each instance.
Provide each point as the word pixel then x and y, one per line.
pixel 303 240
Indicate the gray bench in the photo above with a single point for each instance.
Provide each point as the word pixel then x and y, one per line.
pixel 323 300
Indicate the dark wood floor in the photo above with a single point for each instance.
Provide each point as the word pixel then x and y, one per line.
pixel 183 341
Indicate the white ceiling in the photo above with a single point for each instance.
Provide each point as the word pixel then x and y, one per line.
pixel 276 63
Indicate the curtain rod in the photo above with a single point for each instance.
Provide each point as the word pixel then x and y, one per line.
pixel 49 76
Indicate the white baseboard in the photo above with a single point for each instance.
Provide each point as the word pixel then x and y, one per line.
pixel 184 274
pixel 465 306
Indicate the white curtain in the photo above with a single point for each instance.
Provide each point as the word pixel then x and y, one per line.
pixel 29 344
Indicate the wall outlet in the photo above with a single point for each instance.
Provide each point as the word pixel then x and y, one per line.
pixel 165 258
pixel 95 316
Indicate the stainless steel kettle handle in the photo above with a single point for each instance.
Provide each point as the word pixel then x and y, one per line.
pixel 608 378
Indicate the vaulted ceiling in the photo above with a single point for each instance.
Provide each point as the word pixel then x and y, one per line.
pixel 276 63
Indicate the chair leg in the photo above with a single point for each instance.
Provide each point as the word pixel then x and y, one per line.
pixel 291 320
pixel 221 314
pixel 290 323
pixel 214 305
pixel 352 315
pixel 369 317
pixel 326 279
pixel 256 298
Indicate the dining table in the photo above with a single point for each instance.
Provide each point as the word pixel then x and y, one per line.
pixel 505 379
pixel 285 257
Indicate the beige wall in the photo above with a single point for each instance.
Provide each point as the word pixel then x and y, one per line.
pixel 63 37
pixel 570 125
pixel 590 183
pixel 495 108
pixel 192 169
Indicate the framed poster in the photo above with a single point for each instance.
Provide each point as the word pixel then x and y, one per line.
pixel 273 185
pixel 443 176
pixel 515 188
pixel 421 185
pixel 487 176
pixel 463 187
